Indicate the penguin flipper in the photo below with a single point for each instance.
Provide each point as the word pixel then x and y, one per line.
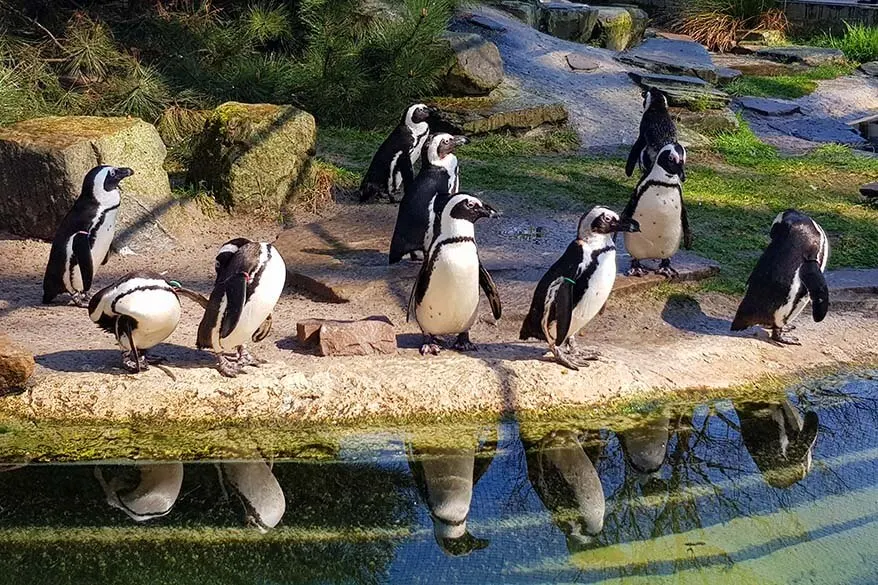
pixel 192 296
pixel 563 310
pixel 487 284
pixel 263 330
pixel 815 282
pixel 82 253
pixel 684 218
pixel 419 289
pixel 634 155
pixel 236 296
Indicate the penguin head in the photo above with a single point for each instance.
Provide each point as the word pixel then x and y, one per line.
pixel 671 160
pixel 779 440
pixel 466 207
pixel 600 220
pixel 104 179
pixel 653 96
pixel 226 251
pixel 416 114
pixel 441 145
pixel 785 220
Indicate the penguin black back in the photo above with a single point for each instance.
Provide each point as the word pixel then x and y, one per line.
pixel 656 130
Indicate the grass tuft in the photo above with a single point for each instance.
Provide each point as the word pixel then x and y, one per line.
pixel 786 86
pixel 858 43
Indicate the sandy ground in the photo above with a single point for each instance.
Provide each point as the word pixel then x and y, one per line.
pixel 647 343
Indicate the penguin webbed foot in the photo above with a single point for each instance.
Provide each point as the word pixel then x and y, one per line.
pixel 80 299
pixel 245 358
pixel 637 269
pixel 666 270
pixel 132 365
pixel 431 346
pixel 581 356
pixel 463 343
pixel 228 367
pixel 565 359
pixel 778 337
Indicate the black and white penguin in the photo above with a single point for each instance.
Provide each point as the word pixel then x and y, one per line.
pixel 657 130
pixel 154 494
pixel 577 286
pixel 244 295
pixel 141 310
pixel 258 489
pixel 657 205
pixel 779 440
pixel 566 481
pixel 439 174
pixel 445 297
pixel 83 239
pixel 646 447
pixel 788 274
pixel 392 168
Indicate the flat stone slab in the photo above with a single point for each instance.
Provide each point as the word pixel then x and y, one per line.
pixel 675 57
pixel 862 280
pixel 486 22
pixel 870 190
pixel 751 65
pixel 683 91
pixel 819 130
pixel 579 62
pixel 506 108
pixel 870 68
pixel 727 74
pixel 811 56
pixel 769 107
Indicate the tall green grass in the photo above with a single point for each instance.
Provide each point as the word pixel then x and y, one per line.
pixel 858 43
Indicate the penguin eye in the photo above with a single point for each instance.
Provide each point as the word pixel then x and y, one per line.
pixel 470 204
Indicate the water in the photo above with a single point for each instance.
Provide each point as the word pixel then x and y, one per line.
pixel 780 491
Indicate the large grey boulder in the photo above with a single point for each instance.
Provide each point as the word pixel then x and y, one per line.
pixel 673 57
pixel 618 27
pixel 683 91
pixel 870 68
pixel 475 67
pixel 44 160
pixel 568 21
pixel 811 56
pixel 819 130
pixel 526 12
pixel 252 157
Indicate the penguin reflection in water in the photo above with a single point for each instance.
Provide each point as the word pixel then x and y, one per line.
pixel 82 242
pixel 151 495
pixel 445 479
pixel 577 286
pixel 566 481
pixel 391 170
pixel 445 296
pixel 788 274
pixel 250 279
pixel 779 440
pixel 141 310
pixel 255 485
pixel 657 205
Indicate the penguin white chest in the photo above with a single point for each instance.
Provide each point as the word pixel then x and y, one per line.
pixel 260 304
pixel 103 236
pixel 451 302
pixel 659 213
pixel 157 312
pixel 600 284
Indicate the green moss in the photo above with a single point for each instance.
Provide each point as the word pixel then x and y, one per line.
pixel 787 86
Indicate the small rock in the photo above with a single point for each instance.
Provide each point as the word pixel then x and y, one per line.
pixel 870 190
pixel 16 365
pixel 673 36
pixel 486 23
pixel 579 62
pixel 767 37
pixel 673 57
pixel 727 74
pixel 684 91
pixel 523 11
pixel 475 65
pixel 568 21
pixel 769 107
pixel 870 68
pixel 307 331
pixel 811 56
pixel 373 335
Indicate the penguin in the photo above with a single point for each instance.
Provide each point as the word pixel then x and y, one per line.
pixel 258 489
pixel 646 447
pixel 83 239
pixel 391 170
pixel 779 440
pixel 153 496
pixel 576 286
pixel 246 290
pixel 657 130
pixel 439 174
pixel 788 274
pixel 445 296
pixel 141 310
pixel 657 205
pixel 566 481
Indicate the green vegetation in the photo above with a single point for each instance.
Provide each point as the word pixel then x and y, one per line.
pixel 343 61
pixel 859 42
pixel 718 24
pixel 787 86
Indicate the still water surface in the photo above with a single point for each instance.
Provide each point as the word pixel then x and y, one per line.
pixel 780 491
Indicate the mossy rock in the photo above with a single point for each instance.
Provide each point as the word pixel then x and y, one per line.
pixel 618 28
pixel 475 65
pixel 44 160
pixel 708 122
pixel 252 157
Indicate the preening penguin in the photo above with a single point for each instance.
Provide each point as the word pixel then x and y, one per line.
pixel 439 174
pixel 247 288
pixel 788 274
pixel 392 168
pixel 83 239
pixel 141 310
pixel 445 297
pixel 657 130
pixel 657 205
pixel 577 286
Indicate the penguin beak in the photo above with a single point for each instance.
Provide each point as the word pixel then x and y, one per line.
pixel 488 211
pixel 627 225
pixel 682 174
pixel 459 141
pixel 122 172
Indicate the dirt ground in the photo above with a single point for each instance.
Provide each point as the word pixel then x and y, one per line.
pixel 648 341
